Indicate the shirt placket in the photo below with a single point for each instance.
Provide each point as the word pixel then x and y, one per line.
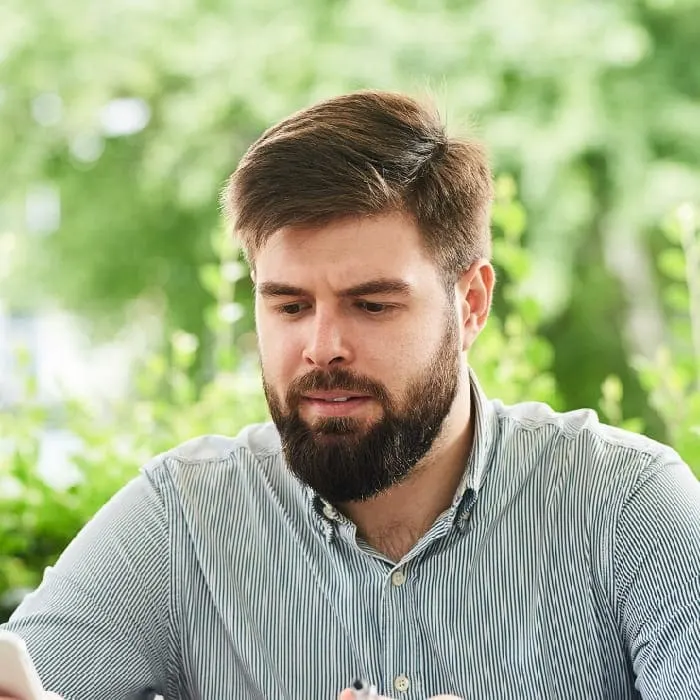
pixel 403 672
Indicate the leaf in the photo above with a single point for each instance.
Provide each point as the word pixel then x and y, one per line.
pixel 673 264
pixel 511 219
pixel 612 389
pixel 677 298
pixel 530 311
pixel 512 258
pixel 210 277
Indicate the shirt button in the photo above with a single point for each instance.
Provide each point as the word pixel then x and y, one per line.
pixel 398 578
pixel 401 683
pixel 330 512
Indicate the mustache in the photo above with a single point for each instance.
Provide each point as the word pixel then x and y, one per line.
pixel 337 380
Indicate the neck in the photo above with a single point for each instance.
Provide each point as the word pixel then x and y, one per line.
pixel 393 521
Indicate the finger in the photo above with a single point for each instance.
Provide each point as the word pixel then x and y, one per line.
pixel 349 694
pixel 47 696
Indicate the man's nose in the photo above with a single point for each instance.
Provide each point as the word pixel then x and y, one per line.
pixel 328 342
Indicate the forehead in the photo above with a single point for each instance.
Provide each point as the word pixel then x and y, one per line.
pixel 347 251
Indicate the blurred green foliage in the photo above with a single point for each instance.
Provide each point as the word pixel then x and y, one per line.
pixel 136 112
pixel 119 123
pixel 513 361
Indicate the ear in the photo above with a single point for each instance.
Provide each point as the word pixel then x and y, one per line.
pixel 474 294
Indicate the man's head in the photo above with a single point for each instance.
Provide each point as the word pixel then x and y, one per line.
pixel 367 230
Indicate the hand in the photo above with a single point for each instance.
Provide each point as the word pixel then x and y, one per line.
pixel 348 694
pixel 47 696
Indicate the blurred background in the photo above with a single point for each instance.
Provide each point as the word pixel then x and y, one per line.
pixel 125 316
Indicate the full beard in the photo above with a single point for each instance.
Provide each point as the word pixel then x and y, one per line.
pixel 342 459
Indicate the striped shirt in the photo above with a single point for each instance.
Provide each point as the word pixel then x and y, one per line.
pixel 568 566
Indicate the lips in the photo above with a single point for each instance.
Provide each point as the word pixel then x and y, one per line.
pixel 334 396
pixel 335 403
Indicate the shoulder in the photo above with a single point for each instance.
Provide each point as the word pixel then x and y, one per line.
pixel 578 448
pixel 209 463
pixel 258 441
pixel 588 481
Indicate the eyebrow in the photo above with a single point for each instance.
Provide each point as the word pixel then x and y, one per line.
pixel 381 285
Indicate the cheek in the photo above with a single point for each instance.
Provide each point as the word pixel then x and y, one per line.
pixel 400 352
pixel 393 363
pixel 409 357
pixel 278 353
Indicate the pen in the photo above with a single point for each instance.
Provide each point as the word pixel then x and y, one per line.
pixel 363 689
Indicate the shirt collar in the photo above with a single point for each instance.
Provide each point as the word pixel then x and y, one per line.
pixel 484 416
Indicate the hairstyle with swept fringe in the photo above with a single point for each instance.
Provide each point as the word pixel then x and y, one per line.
pixel 366 153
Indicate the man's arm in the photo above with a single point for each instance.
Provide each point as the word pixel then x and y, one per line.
pixel 98 627
pixel 657 581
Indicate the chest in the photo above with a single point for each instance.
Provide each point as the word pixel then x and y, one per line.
pixel 476 614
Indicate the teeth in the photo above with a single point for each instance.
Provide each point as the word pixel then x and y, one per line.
pixel 338 400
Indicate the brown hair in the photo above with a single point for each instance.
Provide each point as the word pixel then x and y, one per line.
pixel 364 154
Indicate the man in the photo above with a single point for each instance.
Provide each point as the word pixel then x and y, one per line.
pixel 391 523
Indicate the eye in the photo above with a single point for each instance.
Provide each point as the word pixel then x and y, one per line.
pixel 291 309
pixel 372 307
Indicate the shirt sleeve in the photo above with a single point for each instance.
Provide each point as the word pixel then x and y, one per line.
pixel 657 581
pixel 97 628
